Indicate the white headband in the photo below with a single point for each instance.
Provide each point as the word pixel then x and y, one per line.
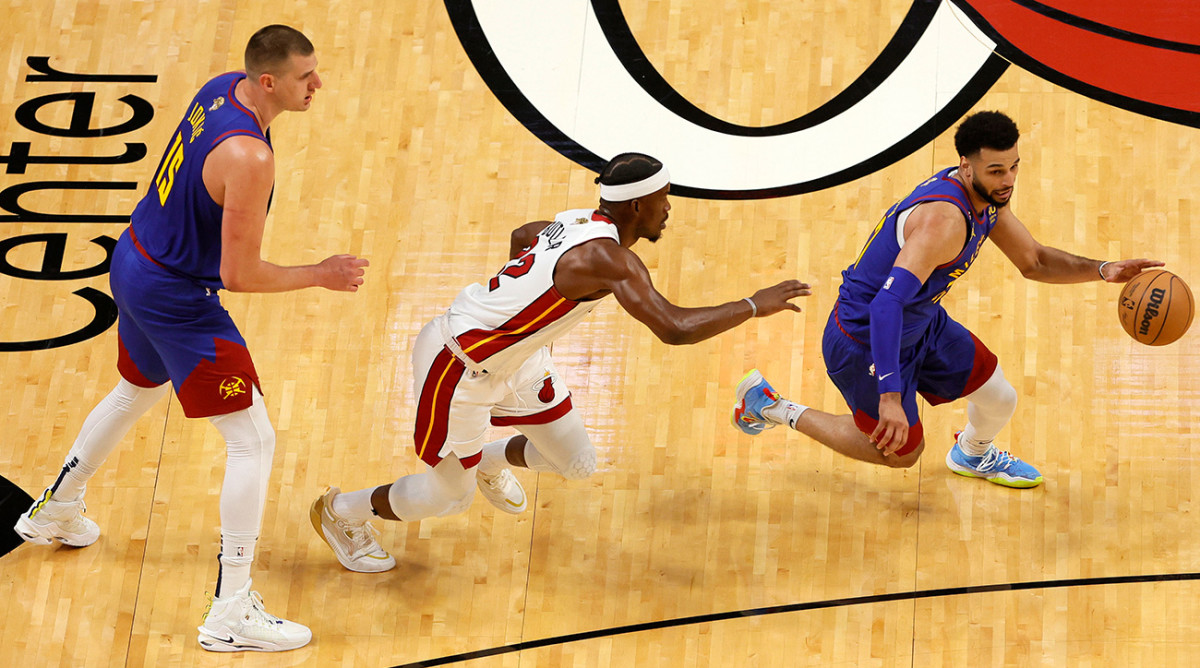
pixel 628 191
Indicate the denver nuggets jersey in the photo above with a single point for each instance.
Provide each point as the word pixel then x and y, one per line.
pixel 177 223
pixel 500 323
pixel 862 280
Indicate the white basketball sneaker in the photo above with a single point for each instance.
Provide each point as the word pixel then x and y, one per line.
pixel 353 543
pixel 48 520
pixel 502 490
pixel 238 623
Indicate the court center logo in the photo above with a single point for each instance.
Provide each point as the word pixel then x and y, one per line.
pixel 578 80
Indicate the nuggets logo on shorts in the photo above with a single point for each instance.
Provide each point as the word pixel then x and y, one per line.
pixel 232 387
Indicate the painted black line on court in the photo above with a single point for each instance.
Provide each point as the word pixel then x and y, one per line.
pixel 798 607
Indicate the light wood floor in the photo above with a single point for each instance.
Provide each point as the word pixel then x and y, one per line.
pixel 408 159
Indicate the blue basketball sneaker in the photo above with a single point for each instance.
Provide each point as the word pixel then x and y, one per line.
pixel 754 395
pixel 995 466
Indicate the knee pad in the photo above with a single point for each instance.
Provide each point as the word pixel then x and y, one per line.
pixel 561 447
pixel 583 465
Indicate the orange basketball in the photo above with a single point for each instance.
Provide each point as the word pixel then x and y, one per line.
pixel 1155 307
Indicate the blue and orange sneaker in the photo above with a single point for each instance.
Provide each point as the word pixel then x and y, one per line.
pixel 995 465
pixel 754 395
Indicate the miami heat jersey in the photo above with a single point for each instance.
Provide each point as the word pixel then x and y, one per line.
pixel 177 223
pixel 862 280
pixel 500 323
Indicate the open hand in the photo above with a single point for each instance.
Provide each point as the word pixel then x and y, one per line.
pixel 777 297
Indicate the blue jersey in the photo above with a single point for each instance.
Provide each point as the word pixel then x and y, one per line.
pixel 862 280
pixel 177 224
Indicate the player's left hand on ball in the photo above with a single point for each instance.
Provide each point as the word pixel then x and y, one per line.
pixel 1122 271
pixel 776 298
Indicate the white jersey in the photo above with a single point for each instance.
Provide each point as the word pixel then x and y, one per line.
pixel 495 326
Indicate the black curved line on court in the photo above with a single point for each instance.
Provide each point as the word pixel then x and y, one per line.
pixel 616 29
pixel 474 42
pixel 799 607
pixel 105 316
pixel 1104 29
pixel 1018 57
pixel 625 45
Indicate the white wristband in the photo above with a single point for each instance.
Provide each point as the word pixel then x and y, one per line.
pixel 753 307
pixel 1102 270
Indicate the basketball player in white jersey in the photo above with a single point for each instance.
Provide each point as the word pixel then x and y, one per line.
pixel 485 361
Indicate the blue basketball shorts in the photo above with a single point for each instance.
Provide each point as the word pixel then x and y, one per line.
pixel 170 327
pixel 948 362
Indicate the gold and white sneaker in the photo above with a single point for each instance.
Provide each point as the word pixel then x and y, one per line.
pixel 353 543
pixel 502 490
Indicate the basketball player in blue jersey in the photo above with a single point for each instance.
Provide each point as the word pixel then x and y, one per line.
pixel 198 230
pixel 889 339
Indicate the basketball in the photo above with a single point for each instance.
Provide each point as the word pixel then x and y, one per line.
pixel 1155 307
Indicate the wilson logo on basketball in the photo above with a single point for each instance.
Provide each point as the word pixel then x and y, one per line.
pixel 1156 300
pixel 232 387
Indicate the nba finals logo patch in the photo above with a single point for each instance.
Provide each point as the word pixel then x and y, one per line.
pixel 232 387
pixel 217 103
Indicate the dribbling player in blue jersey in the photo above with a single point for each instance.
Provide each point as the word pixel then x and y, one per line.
pixel 889 339
pixel 199 230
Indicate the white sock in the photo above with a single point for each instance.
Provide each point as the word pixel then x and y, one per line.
pixel 355 506
pixel 495 457
pixel 73 480
pixel 237 553
pixel 784 412
pixel 973 446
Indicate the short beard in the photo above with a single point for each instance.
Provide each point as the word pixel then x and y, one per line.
pixel 979 190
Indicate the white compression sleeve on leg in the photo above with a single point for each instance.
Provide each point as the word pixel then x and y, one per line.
pixel 988 409
pixel 445 489
pixel 103 429
pixel 250 447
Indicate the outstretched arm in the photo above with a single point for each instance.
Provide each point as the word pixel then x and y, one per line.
pixel 598 267
pixel 239 174
pixel 1050 265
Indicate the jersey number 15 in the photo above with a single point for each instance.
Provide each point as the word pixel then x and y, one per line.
pixel 165 178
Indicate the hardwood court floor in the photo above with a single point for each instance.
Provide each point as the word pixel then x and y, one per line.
pixel 408 159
